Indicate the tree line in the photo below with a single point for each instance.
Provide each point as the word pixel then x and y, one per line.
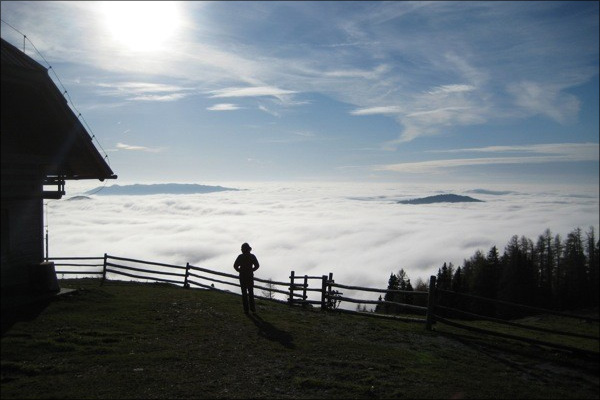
pixel 552 273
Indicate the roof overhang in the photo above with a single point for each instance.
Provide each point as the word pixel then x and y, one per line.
pixel 38 125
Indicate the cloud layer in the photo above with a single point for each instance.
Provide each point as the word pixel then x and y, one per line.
pixel 357 232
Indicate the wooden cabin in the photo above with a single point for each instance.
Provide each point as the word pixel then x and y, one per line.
pixel 44 144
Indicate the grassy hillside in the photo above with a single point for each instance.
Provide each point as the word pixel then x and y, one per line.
pixel 127 340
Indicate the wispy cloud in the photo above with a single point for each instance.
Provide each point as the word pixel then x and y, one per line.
pixel 438 114
pixel 253 91
pixel 304 134
pixel 370 74
pixel 569 152
pixel 128 147
pixel 582 150
pixel 144 91
pixel 268 110
pixel 158 97
pixel 377 110
pixel 456 88
pixel 549 99
pixel 293 137
pixel 224 107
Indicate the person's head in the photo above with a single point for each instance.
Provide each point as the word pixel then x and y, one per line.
pixel 246 248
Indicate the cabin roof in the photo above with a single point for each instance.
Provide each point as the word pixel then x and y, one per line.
pixel 39 127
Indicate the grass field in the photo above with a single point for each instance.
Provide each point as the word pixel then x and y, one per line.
pixel 132 340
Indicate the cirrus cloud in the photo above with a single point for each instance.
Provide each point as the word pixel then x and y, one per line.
pixel 128 147
pixel 224 107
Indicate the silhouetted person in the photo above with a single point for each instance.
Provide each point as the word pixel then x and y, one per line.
pixel 245 264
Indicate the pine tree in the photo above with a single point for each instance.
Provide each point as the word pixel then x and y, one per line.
pixel 458 284
pixel 559 274
pixel 574 262
pixel 409 298
pixel 444 282
pixel 517 282
pixel 393 284
pixel 402 285
pixel 494 271
pixel 444 277
pixel 380 306
pixel 529 273
pixel 545 267
pixel 483 281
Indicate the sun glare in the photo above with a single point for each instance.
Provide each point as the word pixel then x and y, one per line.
pixel 142 25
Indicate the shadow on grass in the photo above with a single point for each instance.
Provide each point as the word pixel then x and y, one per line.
pixel 501 351
pixel 270 332
pixel 24 312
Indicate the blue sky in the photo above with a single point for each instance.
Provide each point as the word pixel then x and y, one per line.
pixel 499 92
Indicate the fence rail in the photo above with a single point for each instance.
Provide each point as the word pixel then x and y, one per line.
pixel 297 292
pixel 75 268
pixel 520 306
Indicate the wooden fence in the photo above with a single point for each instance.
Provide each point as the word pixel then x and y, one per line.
pixel 298 288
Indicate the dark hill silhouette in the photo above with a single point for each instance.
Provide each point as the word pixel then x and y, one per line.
pixel 161 188
pixel 78 198
pixel 441 198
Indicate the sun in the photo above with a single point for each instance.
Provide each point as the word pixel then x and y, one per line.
pixel 142 26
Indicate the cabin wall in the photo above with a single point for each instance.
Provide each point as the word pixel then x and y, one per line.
pixel 22 226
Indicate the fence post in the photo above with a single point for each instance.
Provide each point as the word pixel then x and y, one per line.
pixel 186 285
pixel 431 303
pixel 304 290
pixel 291 299
pixel 104 270
pixel 330 289
pixel 323 292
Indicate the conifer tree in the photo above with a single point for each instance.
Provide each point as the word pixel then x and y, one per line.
pixel 458 284
pixel 402 285
pixel 559 275
pixel 380 306
pixel 444 282
pixel 482 282
pixel 516 282
pixel 409 298
pixel 444 277
pixel 494 271
pixel 393 284
pixel 546 266
pixel 574 262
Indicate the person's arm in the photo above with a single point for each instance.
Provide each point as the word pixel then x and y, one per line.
pixel 236 264
pixel 256 265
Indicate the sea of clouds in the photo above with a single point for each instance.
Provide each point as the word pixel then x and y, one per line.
pixel 358 232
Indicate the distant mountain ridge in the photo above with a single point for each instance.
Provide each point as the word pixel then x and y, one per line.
pixel 441 198
pixel 159 188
